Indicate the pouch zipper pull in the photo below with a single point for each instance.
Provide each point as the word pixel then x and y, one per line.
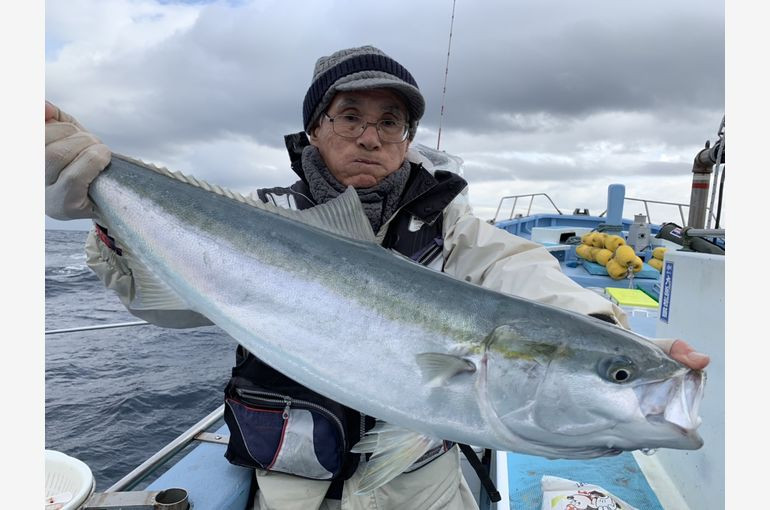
pixel 286 409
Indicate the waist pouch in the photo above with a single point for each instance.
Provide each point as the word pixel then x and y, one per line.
pixel 285 427
pixel 276 424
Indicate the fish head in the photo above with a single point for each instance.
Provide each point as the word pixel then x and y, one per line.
pixel 602 391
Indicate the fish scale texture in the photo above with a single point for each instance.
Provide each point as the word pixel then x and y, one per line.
pixel 619 475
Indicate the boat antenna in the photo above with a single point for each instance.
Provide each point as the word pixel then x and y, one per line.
pixel 446 74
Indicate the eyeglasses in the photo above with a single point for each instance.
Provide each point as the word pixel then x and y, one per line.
pixel 353 126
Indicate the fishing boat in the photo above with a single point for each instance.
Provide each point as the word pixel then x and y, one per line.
pixel 683 299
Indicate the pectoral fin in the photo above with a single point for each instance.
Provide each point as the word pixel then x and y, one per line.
pixel 437 368
pixel 393 450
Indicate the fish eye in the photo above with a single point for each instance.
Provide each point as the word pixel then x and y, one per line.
pixel 620 375
pixel 618 369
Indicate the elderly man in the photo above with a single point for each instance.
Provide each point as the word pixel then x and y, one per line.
pixel 360 115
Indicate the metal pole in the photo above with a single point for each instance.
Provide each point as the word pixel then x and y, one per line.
pixel 513 209
pixel 702 168
pixel 705 232
pixel 497 211
pixel 91 328
pixel 691 236
pixel 717 166
pixel 168 451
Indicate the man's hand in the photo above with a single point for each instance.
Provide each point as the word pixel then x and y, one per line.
pixel 73 159
pixel 683 353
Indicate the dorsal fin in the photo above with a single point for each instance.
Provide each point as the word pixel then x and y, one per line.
pixel 343 215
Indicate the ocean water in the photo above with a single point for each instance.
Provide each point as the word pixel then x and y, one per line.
pixel 114 397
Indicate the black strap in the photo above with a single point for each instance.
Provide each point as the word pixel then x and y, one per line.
pixel 428 253
pixel 335 490
pixel 482 473
pixel 295 144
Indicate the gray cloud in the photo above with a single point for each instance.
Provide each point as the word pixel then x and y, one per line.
pixel 549 92
pixel 590 67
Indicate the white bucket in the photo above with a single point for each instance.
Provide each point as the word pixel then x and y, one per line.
pixel 68 481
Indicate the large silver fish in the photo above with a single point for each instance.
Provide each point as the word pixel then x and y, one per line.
pixel 310 293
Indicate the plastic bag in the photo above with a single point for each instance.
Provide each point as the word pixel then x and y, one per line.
pixel 564 494
pixel 433 160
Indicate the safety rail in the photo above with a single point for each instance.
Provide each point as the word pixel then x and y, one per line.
pixel 680 206
pixel 97 327
pixel 529 208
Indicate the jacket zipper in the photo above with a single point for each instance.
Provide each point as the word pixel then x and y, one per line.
pixel 277 399
pixel 384 230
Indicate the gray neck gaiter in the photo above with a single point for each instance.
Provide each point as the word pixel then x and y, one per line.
pixel 379 201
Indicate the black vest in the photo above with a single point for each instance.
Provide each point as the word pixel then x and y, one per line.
pixel 415 231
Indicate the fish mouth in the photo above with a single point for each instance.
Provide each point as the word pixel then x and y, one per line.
pixel 674 403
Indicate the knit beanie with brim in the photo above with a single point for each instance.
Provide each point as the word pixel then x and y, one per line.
pixel 360 68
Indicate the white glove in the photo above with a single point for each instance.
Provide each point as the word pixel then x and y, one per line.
pixel 682 352
pixel 73 159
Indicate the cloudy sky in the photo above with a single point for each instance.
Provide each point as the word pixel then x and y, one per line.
pixel 551 96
